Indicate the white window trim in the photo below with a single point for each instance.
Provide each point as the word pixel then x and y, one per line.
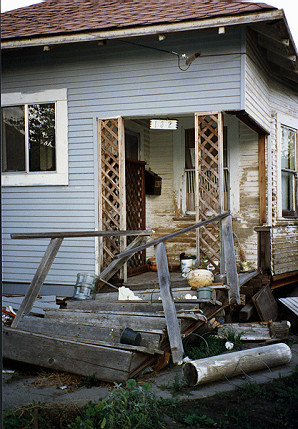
pixel 290 122
pixel 60 176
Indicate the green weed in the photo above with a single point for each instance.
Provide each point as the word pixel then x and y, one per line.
pixel 130 407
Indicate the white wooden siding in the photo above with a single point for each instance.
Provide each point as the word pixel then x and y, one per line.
pixel 248 215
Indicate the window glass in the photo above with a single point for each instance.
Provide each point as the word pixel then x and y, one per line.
pixel 289 170
pixel 288 149
pixel 42 145
pixel 287 191
pixel 13 139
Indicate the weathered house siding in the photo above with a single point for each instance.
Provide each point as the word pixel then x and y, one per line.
pixel 248 176
pixel 265 100
pixel 116 79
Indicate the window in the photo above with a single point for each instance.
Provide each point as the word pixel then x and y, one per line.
pixel 289 150
pixel 34 139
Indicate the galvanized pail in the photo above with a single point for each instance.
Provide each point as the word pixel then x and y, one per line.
pixel 85 286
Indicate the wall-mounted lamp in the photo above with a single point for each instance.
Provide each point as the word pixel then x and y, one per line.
pixel 221 30
pixel 161 37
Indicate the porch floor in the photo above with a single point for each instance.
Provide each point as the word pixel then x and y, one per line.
pixel 149 280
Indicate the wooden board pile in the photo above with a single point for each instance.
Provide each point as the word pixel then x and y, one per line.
pixel 84 338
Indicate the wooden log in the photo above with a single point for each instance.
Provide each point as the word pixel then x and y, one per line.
pixel 38 279
pixel 173 326
pixel 230 260
pixel 232 364
pixel 104 363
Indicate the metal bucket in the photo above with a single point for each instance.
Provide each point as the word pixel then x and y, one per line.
pixel 129 336
pixel 85 286
pixel 204 292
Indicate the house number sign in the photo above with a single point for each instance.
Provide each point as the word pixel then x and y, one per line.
pixel 163 124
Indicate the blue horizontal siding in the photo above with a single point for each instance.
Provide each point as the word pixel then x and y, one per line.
pixel 117 79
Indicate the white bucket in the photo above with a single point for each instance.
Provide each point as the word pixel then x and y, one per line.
pixel 186 265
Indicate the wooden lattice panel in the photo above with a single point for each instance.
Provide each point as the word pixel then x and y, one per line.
pixel 111 210
pixel 135 207
pixel 209 186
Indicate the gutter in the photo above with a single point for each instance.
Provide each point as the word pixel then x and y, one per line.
pixel 91 36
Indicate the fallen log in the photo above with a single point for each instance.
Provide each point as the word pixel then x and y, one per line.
pixel 232 364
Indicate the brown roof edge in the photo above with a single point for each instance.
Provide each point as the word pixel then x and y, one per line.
pixel 244 117
pixel 94 35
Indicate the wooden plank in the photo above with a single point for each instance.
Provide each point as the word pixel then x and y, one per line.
pixel 122 189
pixel 173 234
pixel 78 331
pixel 247 311
pixel 104 363
pixel 142 324
pixel 77 234
pixel 230 260
pixel 116 264
pixel 266 305
pixel 262 178
pixel 173 326
pixel 256 331
pixel 38 279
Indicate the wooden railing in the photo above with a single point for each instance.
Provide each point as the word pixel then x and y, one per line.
pixel 174 334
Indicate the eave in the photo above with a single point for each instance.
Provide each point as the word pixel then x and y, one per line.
pixel 91 36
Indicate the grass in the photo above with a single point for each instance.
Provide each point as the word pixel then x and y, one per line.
pixel 252 406
pixel 211 344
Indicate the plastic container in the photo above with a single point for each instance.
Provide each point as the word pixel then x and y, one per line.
pixel 85 286
pixel 129 336
pixel 204 292
pixel 186 263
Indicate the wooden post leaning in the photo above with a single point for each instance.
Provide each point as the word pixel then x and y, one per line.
pixel 168 303
pixel 38 279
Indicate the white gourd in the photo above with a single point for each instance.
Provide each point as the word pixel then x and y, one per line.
pixel 200 278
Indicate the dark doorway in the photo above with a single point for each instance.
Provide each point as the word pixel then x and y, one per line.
pixel 135 198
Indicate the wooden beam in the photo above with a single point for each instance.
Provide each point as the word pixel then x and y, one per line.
pixel 38 279
pixel 83 332
pixel 172 235
pixel 262 178
pixel 230 260
pixel 271 33
pixel 73 356
pixel 286 63
pixel 116 264
pixel 168 303
pixel 77 234
pixel 276 47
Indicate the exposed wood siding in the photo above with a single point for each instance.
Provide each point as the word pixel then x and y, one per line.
pixel 117 79
pixel 284 234
pixel 285 248
pixel 248 216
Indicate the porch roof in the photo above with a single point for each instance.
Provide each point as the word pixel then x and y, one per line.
pixel 64 17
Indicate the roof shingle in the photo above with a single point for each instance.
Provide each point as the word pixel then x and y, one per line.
pixel 73 16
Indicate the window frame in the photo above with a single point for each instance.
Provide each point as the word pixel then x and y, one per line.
pixel 286 121
pixel 42 178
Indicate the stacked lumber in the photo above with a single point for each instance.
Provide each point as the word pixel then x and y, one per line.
pixel 84 338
